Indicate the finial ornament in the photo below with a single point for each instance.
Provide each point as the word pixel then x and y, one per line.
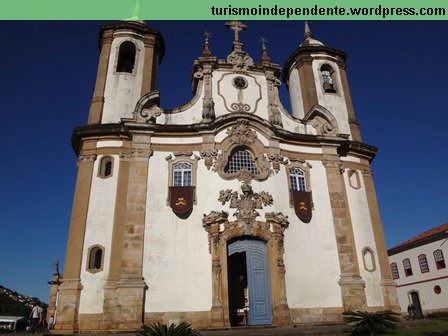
pixel 206 52
pixel 236 26
pixel 263 41
pixel 264 55
pixel 207 36
pixel 308 33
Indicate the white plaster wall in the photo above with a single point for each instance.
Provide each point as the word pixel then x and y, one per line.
pixel 98 232
pixel 301 149
pixel 123 90
pixel 225 94
pixel 363 233
pixel 109 143
pixel 169 140
pixel 423 283
pixel 311 257
pixel 333 102
pixel 295 94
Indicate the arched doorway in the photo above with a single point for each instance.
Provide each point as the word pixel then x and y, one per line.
pixel 415 299
pixel 248 281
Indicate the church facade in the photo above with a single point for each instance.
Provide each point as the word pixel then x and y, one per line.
pixel 228 210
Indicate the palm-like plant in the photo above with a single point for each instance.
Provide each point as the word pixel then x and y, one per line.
pixel 370 324
pixel 159 329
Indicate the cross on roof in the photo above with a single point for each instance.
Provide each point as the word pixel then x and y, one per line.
pixel 207 36
pixel 263 41
pixel 236 26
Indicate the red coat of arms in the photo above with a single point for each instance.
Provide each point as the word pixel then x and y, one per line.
pixel 303 205
pixel 181 199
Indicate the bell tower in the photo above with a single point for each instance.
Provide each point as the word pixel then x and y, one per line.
pixel 316 78
pixel 130 55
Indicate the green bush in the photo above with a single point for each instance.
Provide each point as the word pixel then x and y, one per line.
pixel 364 323
pixel 159 329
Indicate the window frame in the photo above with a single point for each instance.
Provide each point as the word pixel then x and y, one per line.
pixel 178 157
pixel 305 167
pixel 407 270
pixel 120 53
pixel 327 87
pixel 421 263
pixel 105 159
pixel 94 249
pixel 394 267
pixel 233 153
pixel 440 264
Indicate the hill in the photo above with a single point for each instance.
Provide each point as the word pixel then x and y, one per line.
pixel 16 304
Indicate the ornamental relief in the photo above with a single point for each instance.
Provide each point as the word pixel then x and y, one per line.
pixel 239 98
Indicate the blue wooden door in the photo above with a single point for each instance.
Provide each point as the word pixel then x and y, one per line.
pixel 260 312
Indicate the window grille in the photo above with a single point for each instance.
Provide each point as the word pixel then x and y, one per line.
pixel 394 271
pixel 106 166
pixel 241 159
pixel 297 177
pixel 182 174
pixel 423 263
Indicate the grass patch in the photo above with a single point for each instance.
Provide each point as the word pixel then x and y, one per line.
pixel 436 328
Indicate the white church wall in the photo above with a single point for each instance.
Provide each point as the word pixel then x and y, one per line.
pixel 98 232
pixel 311 257
pixel 225 93
pixel 333 102
pixel 364 238
pixel 123 90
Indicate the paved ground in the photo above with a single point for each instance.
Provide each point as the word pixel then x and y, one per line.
pixel 333 330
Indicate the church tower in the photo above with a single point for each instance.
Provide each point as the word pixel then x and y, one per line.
pixel 228 210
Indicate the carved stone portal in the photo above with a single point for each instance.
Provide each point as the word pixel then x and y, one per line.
pixel 271 231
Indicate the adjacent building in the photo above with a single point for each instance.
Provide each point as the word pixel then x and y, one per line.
pixel 418 266
pixel 227 210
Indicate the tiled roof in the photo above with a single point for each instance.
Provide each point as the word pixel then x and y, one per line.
pixel 427 234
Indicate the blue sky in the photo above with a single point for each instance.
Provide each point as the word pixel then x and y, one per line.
pixel 399 83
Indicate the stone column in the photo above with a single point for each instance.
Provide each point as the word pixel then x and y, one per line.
pixel 70 289
pixel 96 106
pixel 130 288
pixel 387 283
pixel 351 283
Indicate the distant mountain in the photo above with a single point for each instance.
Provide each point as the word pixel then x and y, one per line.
pixel 15 304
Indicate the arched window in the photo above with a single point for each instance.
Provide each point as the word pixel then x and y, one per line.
pixel 423 262
pixel 394 270
pixel 95 262
pixel 407 267
pixel 297 178
pixel 241 159
pixel 328 84
pixel 126 57
pixel 439 259
pixel 182 174
pixel 106 167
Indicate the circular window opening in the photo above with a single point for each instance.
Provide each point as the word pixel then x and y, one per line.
pixel 437 289
pixel 240 82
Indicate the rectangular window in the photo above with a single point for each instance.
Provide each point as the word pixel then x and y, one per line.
pixel 407 267
pixel 394 270
pixel 439 259
pixel 423 263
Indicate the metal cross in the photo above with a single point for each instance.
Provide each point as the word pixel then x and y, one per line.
pixel 236 26
pixel 263 41
pixel 207 36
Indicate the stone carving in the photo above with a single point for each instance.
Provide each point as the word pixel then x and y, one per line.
pixel 240 60
pixel 209 157
pixel 87 158
pixel 214 217
pixel 240 107
pixel 276 160
pixel 247 202
pixel 149 115
pixel 241 133
pixel 208 109
pixel 275 117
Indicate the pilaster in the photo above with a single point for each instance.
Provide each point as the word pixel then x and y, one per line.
pixel 388 285
pixel 97 104
pixel 351 283
pixel 307 84
pixel 70 289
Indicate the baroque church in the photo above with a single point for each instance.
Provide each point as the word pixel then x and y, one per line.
pixel 228 210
